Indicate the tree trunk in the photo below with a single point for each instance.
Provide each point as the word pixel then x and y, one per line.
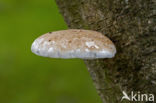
pixel 131 25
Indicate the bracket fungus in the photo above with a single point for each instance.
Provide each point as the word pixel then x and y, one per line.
pixel 74 43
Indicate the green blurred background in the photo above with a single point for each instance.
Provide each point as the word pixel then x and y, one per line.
pixel 27 78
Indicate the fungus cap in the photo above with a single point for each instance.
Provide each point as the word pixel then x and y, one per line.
pixel 74 43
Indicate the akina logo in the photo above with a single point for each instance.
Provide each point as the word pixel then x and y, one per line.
pixel 137 96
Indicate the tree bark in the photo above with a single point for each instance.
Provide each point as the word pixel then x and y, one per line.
pixel 131 25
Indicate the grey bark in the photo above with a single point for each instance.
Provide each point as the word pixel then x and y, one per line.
pixel 131 25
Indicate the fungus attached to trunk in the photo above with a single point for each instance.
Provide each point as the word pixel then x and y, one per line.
pixel 74 43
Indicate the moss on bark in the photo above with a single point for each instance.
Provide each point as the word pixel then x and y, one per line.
pixel 131 25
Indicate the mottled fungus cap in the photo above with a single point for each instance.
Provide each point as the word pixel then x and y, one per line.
pixel 74 43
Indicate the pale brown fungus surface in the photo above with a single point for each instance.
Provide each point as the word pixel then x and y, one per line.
pixel 74 43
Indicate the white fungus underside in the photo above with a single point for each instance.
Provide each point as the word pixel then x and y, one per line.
pixel 77 53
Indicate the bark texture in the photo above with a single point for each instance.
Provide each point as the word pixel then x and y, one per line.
pixel 131 25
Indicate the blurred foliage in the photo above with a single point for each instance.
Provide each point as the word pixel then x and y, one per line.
pixel 27 78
